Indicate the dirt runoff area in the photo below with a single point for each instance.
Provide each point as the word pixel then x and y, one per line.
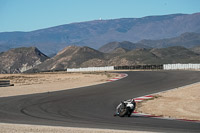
pixel 48 82
pixel 179 103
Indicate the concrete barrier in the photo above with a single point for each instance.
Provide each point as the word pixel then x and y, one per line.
pixel 181 66
pixel 91 69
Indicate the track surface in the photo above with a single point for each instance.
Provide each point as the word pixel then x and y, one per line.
pixel 94 106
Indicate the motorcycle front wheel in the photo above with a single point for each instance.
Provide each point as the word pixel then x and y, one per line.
pixel 123 111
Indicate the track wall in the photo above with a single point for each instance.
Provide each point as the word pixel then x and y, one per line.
pixel 181 66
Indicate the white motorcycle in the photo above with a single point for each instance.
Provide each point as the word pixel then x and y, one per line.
pixel 125 108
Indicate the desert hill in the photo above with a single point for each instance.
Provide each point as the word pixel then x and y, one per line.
pixel 32 60
pixel 71 56
pixel 109 47
pixel 75 57
pixel 20 59
pixel 176 54
pixel 187 40
pixel 196 49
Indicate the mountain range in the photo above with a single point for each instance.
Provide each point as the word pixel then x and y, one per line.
pixel 171 50
pixel 96 33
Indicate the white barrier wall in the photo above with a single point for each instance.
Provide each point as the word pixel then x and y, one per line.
pixel 181 66
pixel 91 69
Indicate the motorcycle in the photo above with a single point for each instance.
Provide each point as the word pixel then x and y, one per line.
pixel 125 108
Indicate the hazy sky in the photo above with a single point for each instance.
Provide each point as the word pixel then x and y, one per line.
pixel 27 15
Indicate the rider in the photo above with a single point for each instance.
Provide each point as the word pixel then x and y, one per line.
pixel 130 103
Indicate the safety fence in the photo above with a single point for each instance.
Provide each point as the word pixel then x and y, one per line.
pixel 5 83
pixel 181 66
pixel 150 67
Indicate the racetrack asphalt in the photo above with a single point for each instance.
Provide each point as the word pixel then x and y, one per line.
pixel 94 106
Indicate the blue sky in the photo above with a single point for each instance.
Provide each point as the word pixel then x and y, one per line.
pixel 28 15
